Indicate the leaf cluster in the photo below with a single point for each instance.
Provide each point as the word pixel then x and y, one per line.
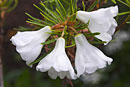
pixel 54 12
pixel 126 3
pixel 60 15
pixel 8 5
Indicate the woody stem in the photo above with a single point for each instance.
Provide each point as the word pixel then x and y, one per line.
pixel 73 30
pixel 1 51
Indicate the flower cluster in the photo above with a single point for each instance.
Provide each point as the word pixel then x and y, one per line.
pixel 88 58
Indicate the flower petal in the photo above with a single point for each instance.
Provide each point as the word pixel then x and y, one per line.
pixel 28 43
pixel 101 21
pixel 88 58
pixel 57 62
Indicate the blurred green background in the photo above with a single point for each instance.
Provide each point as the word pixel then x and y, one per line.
pixel 18 74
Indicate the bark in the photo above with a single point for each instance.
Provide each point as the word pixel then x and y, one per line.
pixel 1 47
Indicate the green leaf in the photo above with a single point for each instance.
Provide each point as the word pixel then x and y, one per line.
pixel 3 3
pixel 13 7
pixel 48 18
pixel 68 3
pixel 128 22
pixel 62 8
pixel 38 8
pixel 114 1
pixel 58 6
pixel 124 13
pixel 65 32
pixel 127 1
pixel 23 29
pixel 60 14
pixel 80 25
pixel 36 19
pixel 95 42
pixel 49 42
pixel 46 1
pixel 8 4
pixel 93 5
pixel 83 5
pixel 124 3
pixel 92 34
pixel 70 46
pixel 46 14
pixel 36 23
pixel 71 7
pixel 75 5
pixel 70 38
pixel 55 15
pixel 55 32
pixel 48 23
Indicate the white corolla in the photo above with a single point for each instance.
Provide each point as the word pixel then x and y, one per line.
pixel 28 43
pixel 101 21
pixel 88 58
pixel 57 63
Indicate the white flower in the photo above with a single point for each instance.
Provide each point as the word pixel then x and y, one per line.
pixel 28 43
pixel 101 21
pixel 57 62
pixel 88 58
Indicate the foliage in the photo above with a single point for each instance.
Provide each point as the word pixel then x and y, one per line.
pixel 126 3
pixel 6 5
pixel 61 16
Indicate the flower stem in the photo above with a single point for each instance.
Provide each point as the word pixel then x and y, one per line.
pixel 64 30
pixel 62 33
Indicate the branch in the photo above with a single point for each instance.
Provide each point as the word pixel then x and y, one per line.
pixel 2 15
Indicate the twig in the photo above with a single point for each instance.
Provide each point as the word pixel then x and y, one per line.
pixel 123 23
pixel 67 83
pixel 1 69
pixel 1 47
pixel 1 72
pixel 73 30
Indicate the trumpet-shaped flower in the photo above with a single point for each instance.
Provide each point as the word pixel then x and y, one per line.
pixel 88 58
pixel 57 62
pixel 28 44
pixel 101 21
